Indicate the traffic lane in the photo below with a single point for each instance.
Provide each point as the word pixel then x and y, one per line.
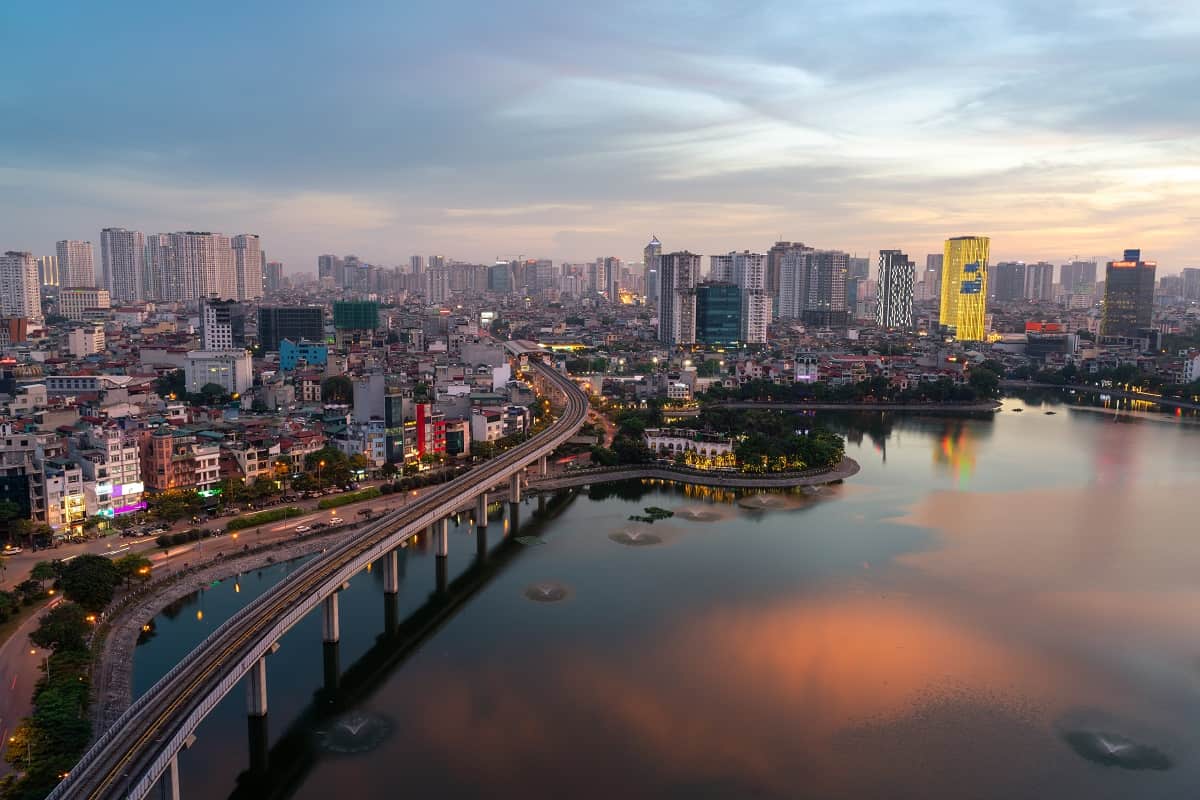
pixel 20 669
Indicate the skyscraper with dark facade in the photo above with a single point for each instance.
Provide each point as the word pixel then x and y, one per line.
pixel 276 323
pixel 1008 280
pixel 650 258
pixel 718 314
pixel 897 280
pixel 678 274
pixel 1128 295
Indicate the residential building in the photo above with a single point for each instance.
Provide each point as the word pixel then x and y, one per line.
pixel 272 277
pixel 248 266
pixel 232 370
pixel 791 263
pixel 329 266
pixel 964 287
pixel 123 261
pixel 110 460
pixel 76 263
pixel 276 323
pixel 416 265
pixel 1128 295
pixel 76 303
pixel 1077 277
pixel 86 341
pixel 1008 281
pixel 897 278
pixel 1191 283
pixel 222 325
pixel 678 276
pixel 932 277
pixel 293 355
pixel 20 295
pixel 189 265
pixel 174 458
pixel 1039 282
pixel 750 275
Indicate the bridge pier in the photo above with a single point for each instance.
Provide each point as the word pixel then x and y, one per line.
pixel 256 689
pixel 170 780
pixel 441 541
pixel 331 629
pixel 260 743
pixel 514 487
pixel 481 514
pixel 543 466
pixel 391 613
pixel 391 573
pixel 331 665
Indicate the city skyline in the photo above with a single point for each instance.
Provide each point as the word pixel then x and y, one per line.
pixel 598 127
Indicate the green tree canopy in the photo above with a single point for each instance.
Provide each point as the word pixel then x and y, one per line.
pixel 337 390
pixel 90 581
pixel 63 627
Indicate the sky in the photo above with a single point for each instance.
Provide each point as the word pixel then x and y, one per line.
pixel 479 130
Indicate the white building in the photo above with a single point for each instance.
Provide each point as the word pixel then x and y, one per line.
pixel 720 268
pixel 83 342
pixel 1191 368
pixel 74 303
pixel 678 274
pixel 232 370
pixel 437 281
pixel 487 424
pixel 20 294
pixel 112 469
pixel 793 282
pixel 680 440
pixel 897 278
pixel 750 274
pixel 190 265
pixel 247 264
pixel 85 384
pixel 76 263
pixel 123 262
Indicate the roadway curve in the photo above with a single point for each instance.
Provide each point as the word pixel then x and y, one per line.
pixel 130 757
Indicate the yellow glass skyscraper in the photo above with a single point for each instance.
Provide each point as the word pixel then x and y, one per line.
pixel 964 287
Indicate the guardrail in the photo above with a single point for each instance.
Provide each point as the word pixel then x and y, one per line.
pixel 130 756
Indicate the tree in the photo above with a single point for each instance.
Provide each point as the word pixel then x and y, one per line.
pixel 389 470
pixel 43 571
pixel 171 385
pixel 985 382
pixel 63 627
pixel 337 390
pixel 213 394
pixel 133 568
pixel 90 581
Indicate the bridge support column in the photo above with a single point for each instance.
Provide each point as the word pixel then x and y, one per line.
pixel 391 613
pixel 170 780
pixel 391 573
pixel 543 466
pixel 481 514
pixel 260 743
pixel 441 542
pixel 256 689
pixel 331 659
pixel 514 487
pixel 331 629
pixel 541 504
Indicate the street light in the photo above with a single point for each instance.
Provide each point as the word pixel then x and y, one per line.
pixel 320 466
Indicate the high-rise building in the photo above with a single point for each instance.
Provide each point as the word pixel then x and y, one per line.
pixel 416 265
pixel 19 288
pixel 276 323
pixel 678 274
pixel 824 288
pixel 1077 276
pixel 1191 283
pixel 273 277
pixel 222 325
pixel 355 315
pixel 123 261
pixel 1128 295
pixel 76 263
pixel 437 262
pixel 47 267
pixel 189 265
pixel 790 267
pixel 964 287
pixel 897 281
pixel 650 258
pixel 437 284
pixel 500 278
pixel 1008 281
pixel 1039 282
pixel 775 268
pixel 247 264
pixel 858 273
pixel 932 278
pixel 750 276
pixel 720 268
pixel 718 314
pixel 612 277
pixel 329 266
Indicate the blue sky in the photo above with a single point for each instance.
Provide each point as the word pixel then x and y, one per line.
pixel 480 129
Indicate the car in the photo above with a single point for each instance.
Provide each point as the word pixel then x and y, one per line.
pixel 336 520
pixel 10 550
pixel 303 529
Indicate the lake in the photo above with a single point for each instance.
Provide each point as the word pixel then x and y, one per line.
pixel 994 607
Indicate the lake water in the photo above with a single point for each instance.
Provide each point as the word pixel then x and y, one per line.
pixel 993 608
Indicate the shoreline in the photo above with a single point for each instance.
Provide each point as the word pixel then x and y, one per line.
pixel 987 406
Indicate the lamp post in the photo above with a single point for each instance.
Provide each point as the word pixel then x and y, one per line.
pixel 320 466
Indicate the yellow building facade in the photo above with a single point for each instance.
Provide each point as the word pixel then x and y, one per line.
pixel 964 287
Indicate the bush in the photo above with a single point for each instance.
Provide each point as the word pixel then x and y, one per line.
pixel 386 489
pixel 262 517
pixel 349 497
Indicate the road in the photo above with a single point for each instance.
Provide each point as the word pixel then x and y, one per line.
pixel 20 669
pixel 128 759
